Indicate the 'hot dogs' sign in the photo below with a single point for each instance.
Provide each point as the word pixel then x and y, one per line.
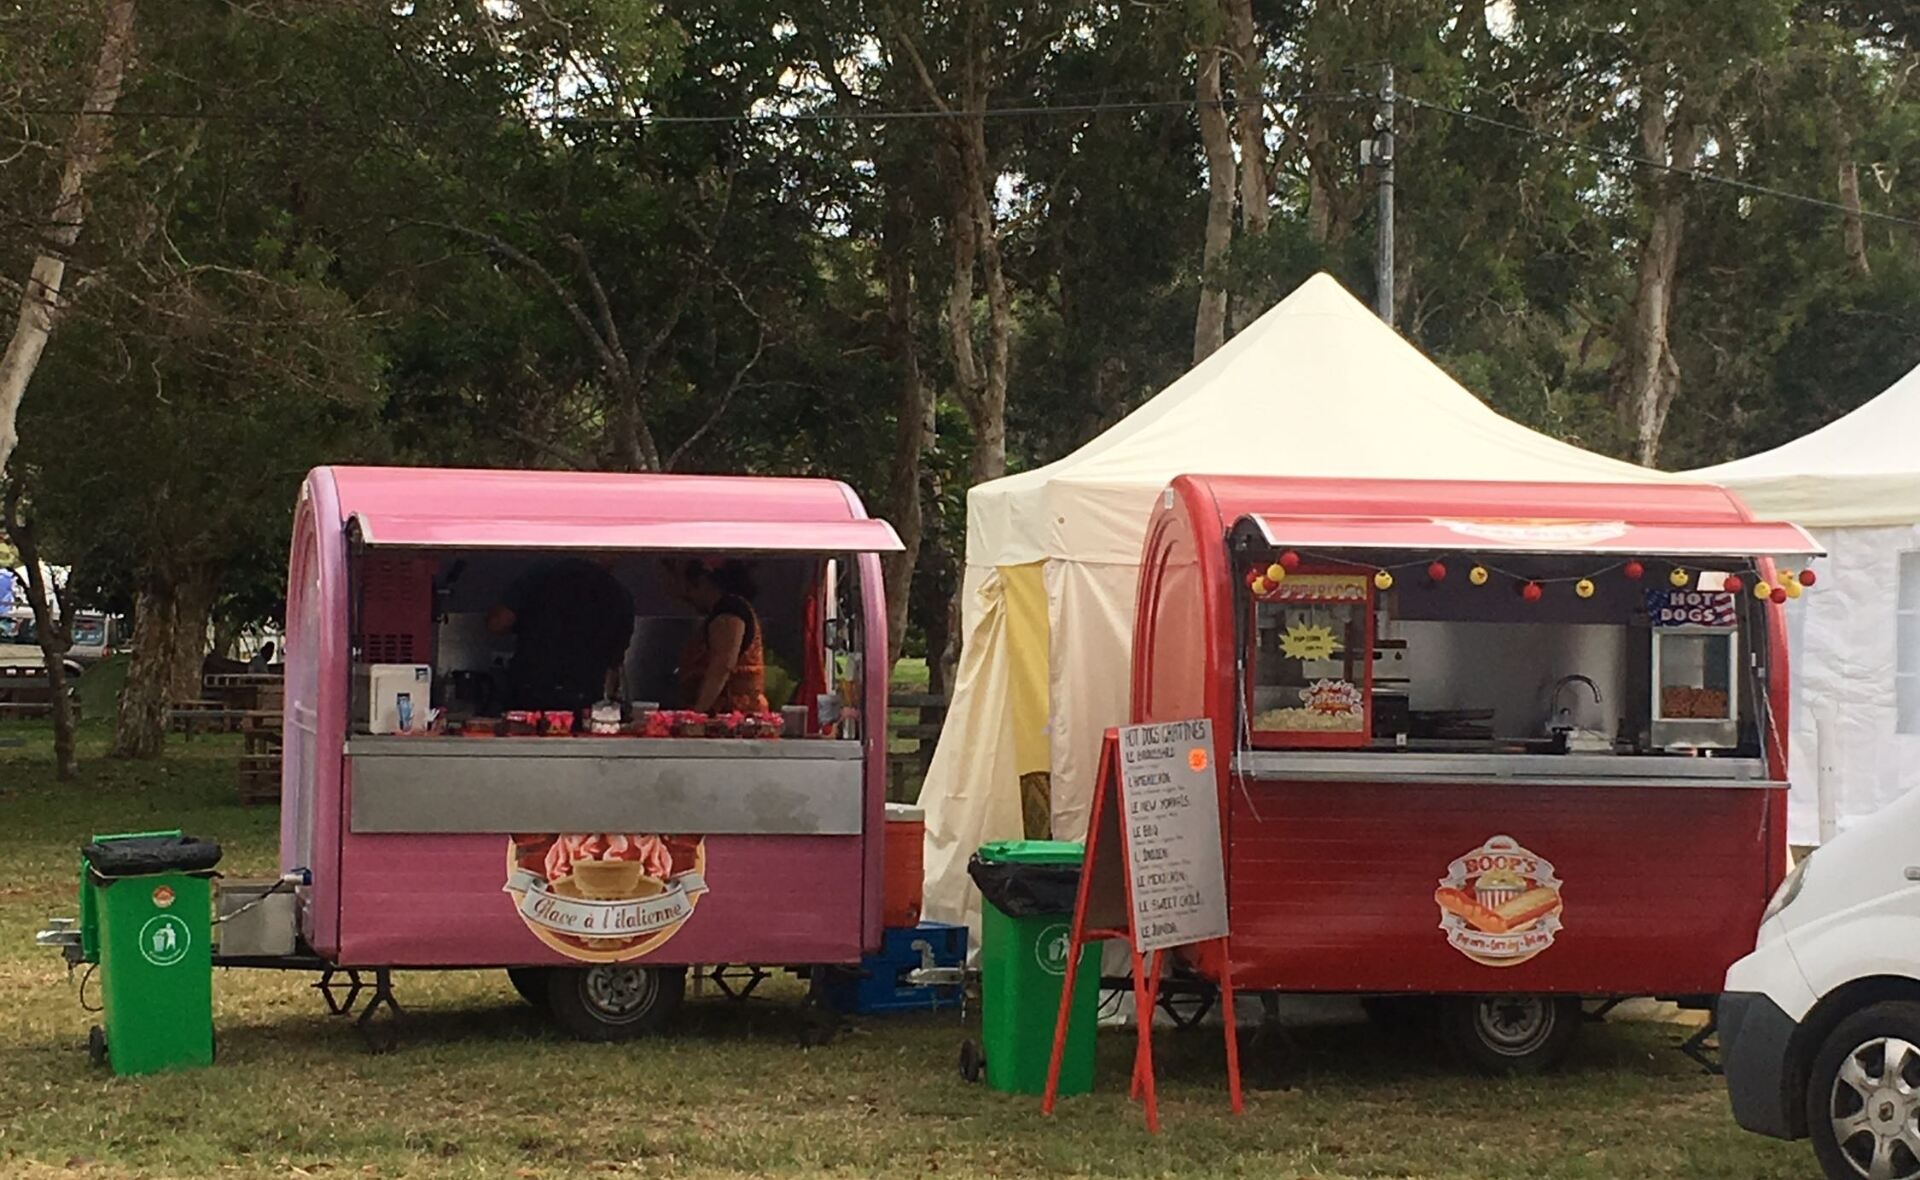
pixel 1691 608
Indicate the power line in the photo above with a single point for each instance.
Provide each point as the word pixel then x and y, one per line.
pixel 1746 186
pixel 1039 110
pixel 1029 110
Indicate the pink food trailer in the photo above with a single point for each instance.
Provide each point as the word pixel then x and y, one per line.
pixel 435 829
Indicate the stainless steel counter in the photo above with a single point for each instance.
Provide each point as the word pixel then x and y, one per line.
pixel 1600 770
pixel 709 786
pixel 645 749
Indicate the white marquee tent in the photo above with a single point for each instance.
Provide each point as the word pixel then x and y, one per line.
pixel 1855 637
pixel 1316 386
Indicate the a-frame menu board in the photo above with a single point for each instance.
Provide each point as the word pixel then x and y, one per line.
pixel 1153 875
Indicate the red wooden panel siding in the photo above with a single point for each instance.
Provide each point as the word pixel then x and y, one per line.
pixel 1332 886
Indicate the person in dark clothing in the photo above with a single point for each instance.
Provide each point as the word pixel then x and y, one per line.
pixel 571 621
pixel 723 668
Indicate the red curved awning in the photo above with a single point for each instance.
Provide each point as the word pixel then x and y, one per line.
pixel 1517 535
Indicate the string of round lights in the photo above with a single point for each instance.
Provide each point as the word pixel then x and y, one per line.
pixel 1784 586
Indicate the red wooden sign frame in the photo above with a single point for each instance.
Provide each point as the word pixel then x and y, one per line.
pixel 1096 919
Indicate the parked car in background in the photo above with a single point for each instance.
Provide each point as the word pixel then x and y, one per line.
pixel 96 636
pixel 20 643
pixel 1820 1025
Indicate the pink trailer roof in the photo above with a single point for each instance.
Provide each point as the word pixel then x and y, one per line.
pixel 425 507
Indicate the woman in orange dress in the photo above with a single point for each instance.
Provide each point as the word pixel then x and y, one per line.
pixel 723 668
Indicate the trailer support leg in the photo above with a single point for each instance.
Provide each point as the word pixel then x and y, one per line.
pixel 382 1036
pixel 1695 1046
pixel 340 994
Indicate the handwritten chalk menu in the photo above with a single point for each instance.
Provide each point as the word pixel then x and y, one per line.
pixel 1171 807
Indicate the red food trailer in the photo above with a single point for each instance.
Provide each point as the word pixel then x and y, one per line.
pixel 599 861
pixel 1503 746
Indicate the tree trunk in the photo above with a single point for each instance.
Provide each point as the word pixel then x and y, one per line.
pixel 1853 227
pixel 1250 115
pixel 914 429
pixel 1322 198
pixel 140 731
pixel 40 300
pixel 1649 375
pixel 193 617
pixel 56 634
pixel 1210 322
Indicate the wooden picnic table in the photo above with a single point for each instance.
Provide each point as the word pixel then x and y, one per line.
pixel 25 692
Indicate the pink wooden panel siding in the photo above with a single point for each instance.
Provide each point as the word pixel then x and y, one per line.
pixel 437 901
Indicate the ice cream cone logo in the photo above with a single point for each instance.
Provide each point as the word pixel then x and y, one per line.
pixel 605 898
pixel 1500 905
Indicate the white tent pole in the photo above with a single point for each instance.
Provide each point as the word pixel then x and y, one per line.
pixel 1826 779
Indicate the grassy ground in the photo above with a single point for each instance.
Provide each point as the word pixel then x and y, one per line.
pixel 481 1088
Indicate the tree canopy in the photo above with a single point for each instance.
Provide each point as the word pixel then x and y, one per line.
pixel 910 245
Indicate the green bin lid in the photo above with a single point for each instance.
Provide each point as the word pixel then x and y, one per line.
pixel 1033 852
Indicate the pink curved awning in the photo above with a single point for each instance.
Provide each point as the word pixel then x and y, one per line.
pixel 387 529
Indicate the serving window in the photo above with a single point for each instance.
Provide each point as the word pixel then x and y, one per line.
pixel 424 616
pixel 1385 650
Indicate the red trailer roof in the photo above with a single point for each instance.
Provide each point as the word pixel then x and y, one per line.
pixel 1247 495
pixel 1650 518
pixel 442 508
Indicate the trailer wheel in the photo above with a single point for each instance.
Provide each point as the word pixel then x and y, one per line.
pixel 531 983
pixel 614 1001
pixel 973 1062
pixel 1509 1034
pixel 97 1045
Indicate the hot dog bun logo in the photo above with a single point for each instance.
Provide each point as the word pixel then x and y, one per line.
pixel 1500 904
pixel 605 898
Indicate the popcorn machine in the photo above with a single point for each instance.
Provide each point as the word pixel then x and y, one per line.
pixel 1310 679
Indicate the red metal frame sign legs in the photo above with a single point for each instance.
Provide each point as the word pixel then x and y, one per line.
pixel 1150 878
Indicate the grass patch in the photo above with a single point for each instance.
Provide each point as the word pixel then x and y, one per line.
pixel 100 685
pixel 481 1087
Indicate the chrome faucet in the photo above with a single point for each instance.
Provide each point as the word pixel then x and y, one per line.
pixel 1553 702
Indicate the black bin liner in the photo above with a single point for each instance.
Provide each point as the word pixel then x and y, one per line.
pixel 151 854
pixel 1026 891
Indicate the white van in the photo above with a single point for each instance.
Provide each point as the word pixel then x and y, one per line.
pixel 1820 1025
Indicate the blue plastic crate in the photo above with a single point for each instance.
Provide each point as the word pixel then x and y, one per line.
pixel 878 987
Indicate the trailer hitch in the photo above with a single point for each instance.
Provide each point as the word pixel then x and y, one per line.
pixel 63 933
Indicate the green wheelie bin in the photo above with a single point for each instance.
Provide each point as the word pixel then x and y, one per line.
pixel 146 921
pixel 1026 931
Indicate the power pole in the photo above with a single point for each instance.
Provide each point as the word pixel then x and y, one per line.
pixel 1382 152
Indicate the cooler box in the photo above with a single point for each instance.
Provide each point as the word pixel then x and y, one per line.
pixel 903 852
pixel 880 985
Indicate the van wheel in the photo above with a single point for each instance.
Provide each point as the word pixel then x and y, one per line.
pixel 614 1001
pixel 531 983
pixel 1506 1034
pixel 1863 1095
